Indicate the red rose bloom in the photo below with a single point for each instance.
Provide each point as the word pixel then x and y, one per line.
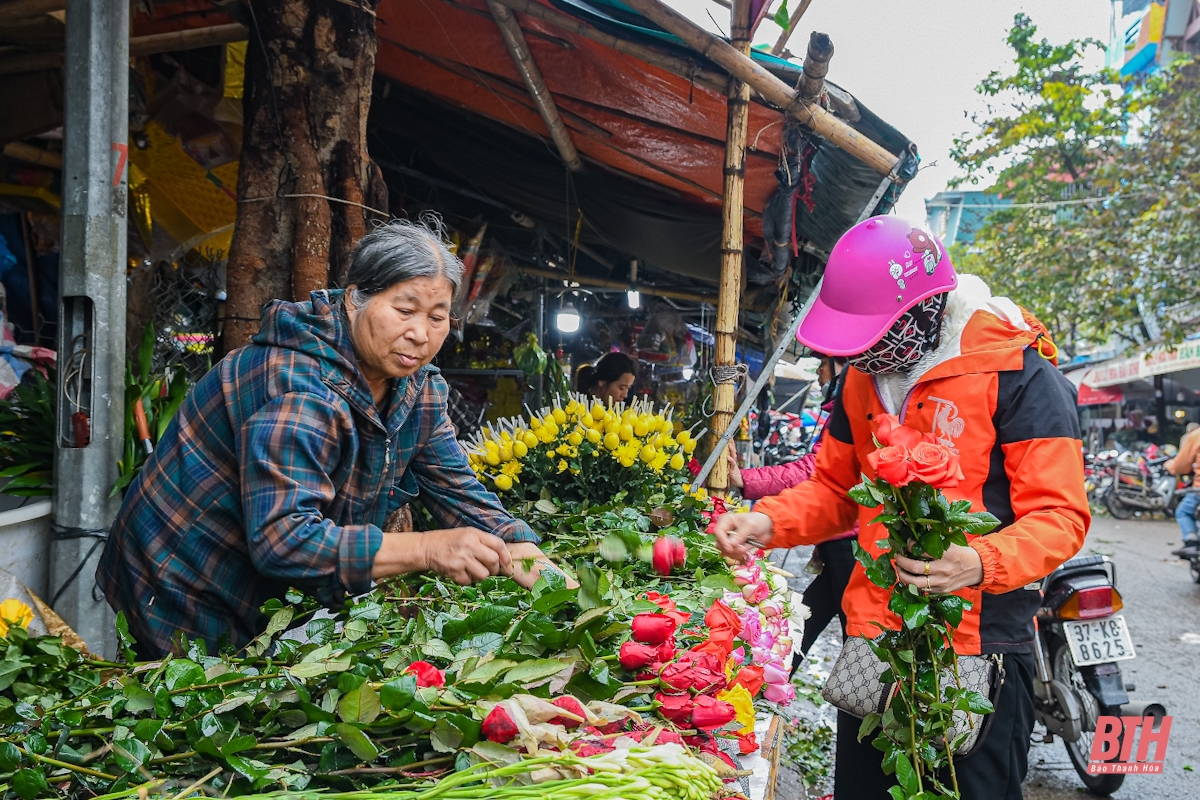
pixel 583 749
pixel 891 464
pixel 668 737
pixel 750 677
pixel 663 557
pixel 427 674
pixel 723 627
pixel 892 434
pixel 666 651
pixel 572 706
pixel 936 465
pixel 677 708
pixel 653 628
pixel 747 744
pixel 677 677
pixel 711 713
pixel 668 606
pixel 635 655
pixel 499 727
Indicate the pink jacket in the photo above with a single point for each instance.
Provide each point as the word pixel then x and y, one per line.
pixel 760 482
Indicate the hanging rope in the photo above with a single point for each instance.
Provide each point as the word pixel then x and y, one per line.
pixel 735 374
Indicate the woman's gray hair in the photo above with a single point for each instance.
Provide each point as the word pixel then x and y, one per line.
pixel 401 251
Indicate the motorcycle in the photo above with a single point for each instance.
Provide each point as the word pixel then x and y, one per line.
pixel 1080 642
pixel 1143 485
pixel 1099 469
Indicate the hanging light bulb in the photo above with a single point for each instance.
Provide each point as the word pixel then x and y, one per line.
pixel 633 296
pixel 567 319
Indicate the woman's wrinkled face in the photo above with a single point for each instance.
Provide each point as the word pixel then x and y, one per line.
pixel 617 390
pixel 400 329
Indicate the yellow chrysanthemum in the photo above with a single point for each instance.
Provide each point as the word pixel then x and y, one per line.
pixel 677 461
pixel 14 614
pixel 612 441
pixel 512 469
pixel 530 439
pixel 503 482
pixel 594 436
pixel 563 466
pixel 520 449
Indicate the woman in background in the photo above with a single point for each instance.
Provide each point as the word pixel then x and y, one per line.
pixel 609 379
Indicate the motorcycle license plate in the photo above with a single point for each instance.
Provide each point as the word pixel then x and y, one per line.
pixel 1099 641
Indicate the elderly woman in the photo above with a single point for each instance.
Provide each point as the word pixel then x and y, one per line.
pixel 282 465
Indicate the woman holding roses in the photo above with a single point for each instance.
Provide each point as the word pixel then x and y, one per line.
pixel 960 391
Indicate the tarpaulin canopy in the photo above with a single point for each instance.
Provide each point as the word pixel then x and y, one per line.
pixel 633 122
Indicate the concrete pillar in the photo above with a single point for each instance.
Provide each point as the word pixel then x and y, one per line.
pixel 91 340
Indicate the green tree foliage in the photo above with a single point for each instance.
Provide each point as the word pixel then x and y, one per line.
pixel 1060 132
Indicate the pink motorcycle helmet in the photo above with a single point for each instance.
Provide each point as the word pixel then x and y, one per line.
pixel 878 270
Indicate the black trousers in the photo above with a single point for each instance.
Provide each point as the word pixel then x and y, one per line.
pixel 824 595
pixel 994 771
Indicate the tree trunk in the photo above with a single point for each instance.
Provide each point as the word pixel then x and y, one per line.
pixel 309 67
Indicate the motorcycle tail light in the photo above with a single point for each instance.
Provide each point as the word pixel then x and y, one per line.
pixel 1093 603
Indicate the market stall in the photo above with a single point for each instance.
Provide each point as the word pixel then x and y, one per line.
pixel 642 666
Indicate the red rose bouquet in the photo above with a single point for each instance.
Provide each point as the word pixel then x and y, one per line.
pixel 911 468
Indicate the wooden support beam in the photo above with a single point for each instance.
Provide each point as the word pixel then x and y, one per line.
pixel 138 46
pixel 782 41
pixel 518 48
pixel 18 10
pixel 771 88
pixel 33 155
pixel 683 67
pixel 816 66
pixel 602 283
pixel 187 40
pixel 733 227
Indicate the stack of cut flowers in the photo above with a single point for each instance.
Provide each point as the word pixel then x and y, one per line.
pixel 622 687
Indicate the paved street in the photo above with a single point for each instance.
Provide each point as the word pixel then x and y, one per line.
pixel 1162 607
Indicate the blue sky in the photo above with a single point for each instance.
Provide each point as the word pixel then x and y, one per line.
pixel 916 62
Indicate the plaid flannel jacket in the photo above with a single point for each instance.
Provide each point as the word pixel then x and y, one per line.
pixel 278 471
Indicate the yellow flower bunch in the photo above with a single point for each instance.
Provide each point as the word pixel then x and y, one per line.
pixel 561 441
pixel 14 614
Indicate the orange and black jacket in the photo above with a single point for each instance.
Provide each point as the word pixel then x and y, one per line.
pixel 1011 416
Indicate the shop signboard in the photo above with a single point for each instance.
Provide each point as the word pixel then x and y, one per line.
pixel 1159 361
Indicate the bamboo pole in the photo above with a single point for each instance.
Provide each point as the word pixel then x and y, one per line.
pixel 742 67
pixel 683 67
pixel 732 245
pixel 816 67
pixel 781 43
pixel 33 155
pixel 188 40
pixel 22 10
pixel 518 48
pixel 603 283
pixel 138 46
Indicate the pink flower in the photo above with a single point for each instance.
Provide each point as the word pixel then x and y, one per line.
pixel 781 693
pixel 427 674
pixel 782 646
pixel 739 656
pixel 747 574
pixel 774 675
pixel 770 608
pixel 751 627
pixel 755 593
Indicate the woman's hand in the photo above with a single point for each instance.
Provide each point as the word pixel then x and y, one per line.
pixel 740 534
pixel 735 473
pixel 464 555
pixel 528 553
pixel 958 568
